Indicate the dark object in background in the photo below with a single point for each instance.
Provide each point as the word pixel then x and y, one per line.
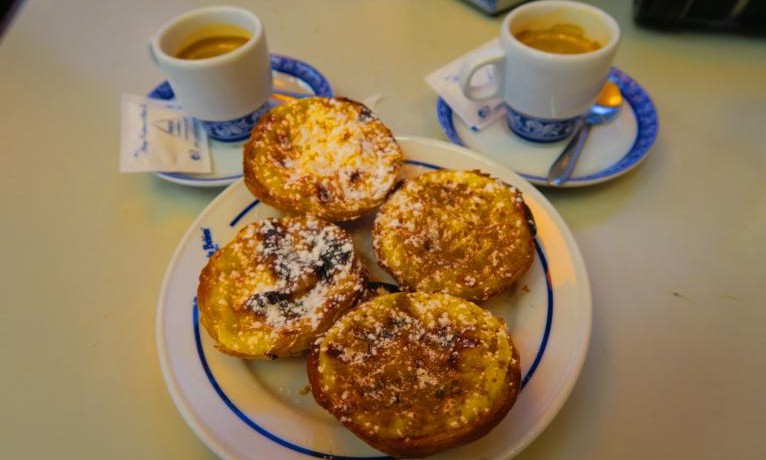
pixel 493 7
pixel 745 15
pixel 8 9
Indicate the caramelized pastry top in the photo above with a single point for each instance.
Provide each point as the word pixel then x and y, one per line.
pixel 413 373
pixel 330 157
pixel 275 286
pixel 458 232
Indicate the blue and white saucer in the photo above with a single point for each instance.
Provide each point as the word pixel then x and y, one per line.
pixel 291 77
pixel 611 150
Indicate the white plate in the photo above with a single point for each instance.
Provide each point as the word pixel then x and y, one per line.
pixel 243 409
pixel 611 150
pixel 291 77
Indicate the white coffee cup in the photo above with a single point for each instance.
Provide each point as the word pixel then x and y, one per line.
pixel 545 93
pixel 228 92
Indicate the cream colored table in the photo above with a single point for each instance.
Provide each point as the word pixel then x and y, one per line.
pixel 675 249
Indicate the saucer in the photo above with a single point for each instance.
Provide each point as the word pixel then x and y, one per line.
pixel 292 78
pixel 611 150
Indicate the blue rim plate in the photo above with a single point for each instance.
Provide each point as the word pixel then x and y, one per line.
pixel 611 150
pixel 291 76
pixel 244 409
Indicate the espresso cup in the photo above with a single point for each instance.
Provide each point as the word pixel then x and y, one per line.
pixel 546 92
pixel 217 62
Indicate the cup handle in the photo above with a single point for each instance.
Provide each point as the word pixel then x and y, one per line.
pixel 472 64
pixel 150 48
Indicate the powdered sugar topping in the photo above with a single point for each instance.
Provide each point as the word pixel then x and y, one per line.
pixel 307 258
pixel 335 146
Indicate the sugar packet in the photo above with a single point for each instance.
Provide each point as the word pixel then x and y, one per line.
pixel 156 135
pixel 476 114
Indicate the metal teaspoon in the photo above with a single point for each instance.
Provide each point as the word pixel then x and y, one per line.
pixel 606 109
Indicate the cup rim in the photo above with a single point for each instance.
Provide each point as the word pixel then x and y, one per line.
pixel 507 36
pixel 230 56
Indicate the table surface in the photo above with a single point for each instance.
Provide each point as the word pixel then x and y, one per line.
pixel 675 249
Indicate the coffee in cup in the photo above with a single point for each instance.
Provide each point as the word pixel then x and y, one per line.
pixel 558 39
pixel 215 40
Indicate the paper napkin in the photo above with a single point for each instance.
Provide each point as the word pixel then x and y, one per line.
pixel 476 114
pixel 157 136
